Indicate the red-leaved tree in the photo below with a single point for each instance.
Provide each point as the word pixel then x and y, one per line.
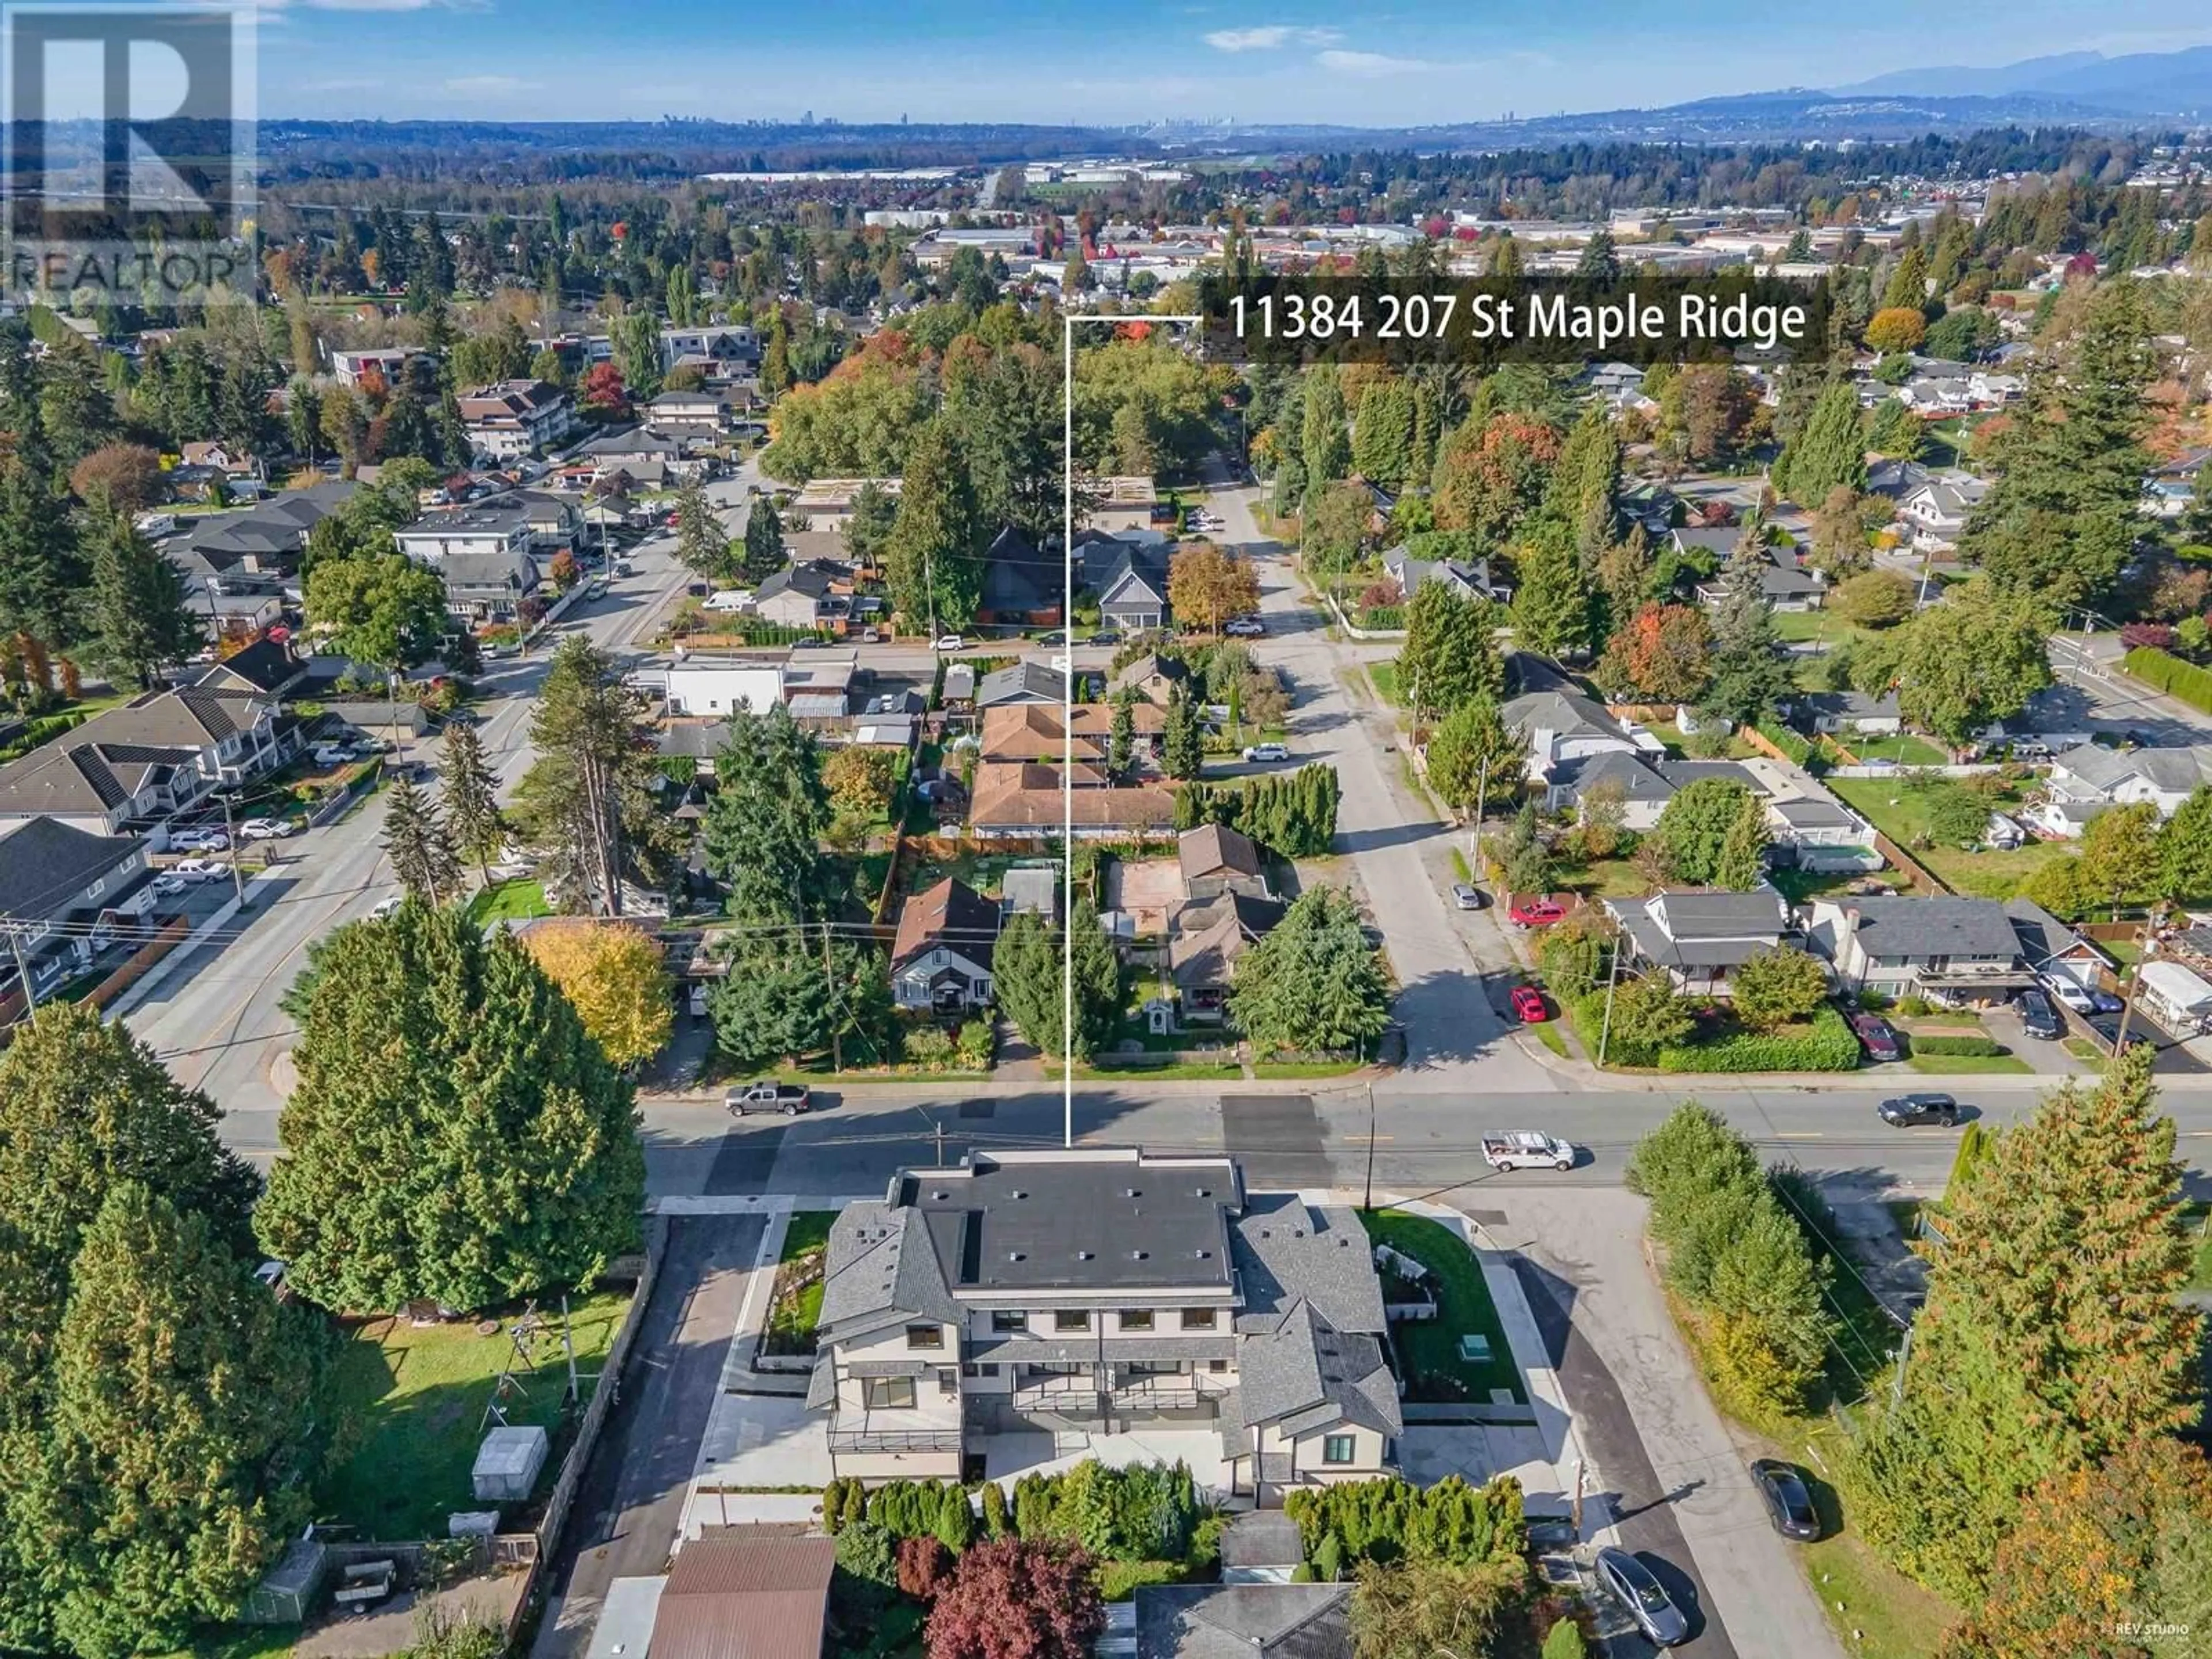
pixel 1014 1600
pixel 924 1565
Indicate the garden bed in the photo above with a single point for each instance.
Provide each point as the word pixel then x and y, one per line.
pixel 1429 1353
pixel 796 1307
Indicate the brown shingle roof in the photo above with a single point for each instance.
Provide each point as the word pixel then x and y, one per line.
pixel 745 1597
pixel 1212 848
pixel 1011 795
pixel 951 912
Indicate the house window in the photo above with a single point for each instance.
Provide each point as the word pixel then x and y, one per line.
pixel 1198 1319
pixel 1135 1319
pixel 948 1384
pixel 1337 1448
pixel 1217 1364
pixel 887 1394
pixel 974 1369
pixel 1004 1320
pixel 1072 1319
pixel 924 1336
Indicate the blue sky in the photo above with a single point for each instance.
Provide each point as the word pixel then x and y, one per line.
pixel 1107 62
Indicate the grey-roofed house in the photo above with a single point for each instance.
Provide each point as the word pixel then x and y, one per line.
pixel 1565 726
pixel 1645 790
pixel 1022 586
pixel 57 883
pixel 2048 946
pixel 696 741
pixel 801 596
pixel 1024 682
pixel 1468 578
pixel 1958 948
pixel 138 763
pixel 1819 832
pixel 1244 1621
pixel 1697 938
pixel 1096 1291
pixel 266 540
pixel 488 586
pixel 1205 941
pixel 1847 713
pixel 2091 774
pixel 1131 584
pixel 1783 583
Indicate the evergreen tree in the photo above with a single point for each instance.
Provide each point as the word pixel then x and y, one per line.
pixel 1031 982
pixel 764 826
pixel 1749 677
pixel 763 539
pixel 1121 744
pixel 1475 759
pixel 1831 451
pixel 455 1134
pixel 1182 745
pixel 1451 654
pixel 799 991
pixel 1600 261
pixel 1585 485
pixel 701 544
pixel 1325 450
pixel 41 572
pixel 1312 983
pixel 1897 431
pixel 1551 608
pixel 469 797
pixel 138 617
pixel 415 841
pixel 2185 849
pixel 1383 440
pixel 1908 283
pixel 2053 1336
pixel 1742 860
pixel 932 559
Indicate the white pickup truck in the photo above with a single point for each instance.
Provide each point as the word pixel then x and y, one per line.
pixel 1527 1149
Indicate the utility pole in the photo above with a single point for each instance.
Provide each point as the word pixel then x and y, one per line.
pixel 1605 1026
pixel 829 984
pixel 1474 837
pixel 1367 1202
pixel 23 970
pixel 2143 948
pixel 230 834
pixel 1897 1382
pixel 568 1342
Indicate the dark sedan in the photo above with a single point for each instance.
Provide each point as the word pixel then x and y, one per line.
pixel 1630 1583
pixel 1909 1109
pixel 1789 1506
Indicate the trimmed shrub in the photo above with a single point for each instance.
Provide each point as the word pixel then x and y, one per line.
pixel 1799 748
pixel 2166 671
pixel 1976 1047
pixel 996 1521
pixel 1824 1044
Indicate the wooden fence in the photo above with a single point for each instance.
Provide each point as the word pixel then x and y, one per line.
pixel 140 961
pixel 1924 880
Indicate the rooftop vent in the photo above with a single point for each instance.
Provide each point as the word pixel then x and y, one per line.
pixel 1201 1254
pixel 940 1197
pixel 1205 1192
pixel 1139 1255
pixel 1016 1255
pixel 1083 1255
pixel 1131 1192
pixel 1017 1192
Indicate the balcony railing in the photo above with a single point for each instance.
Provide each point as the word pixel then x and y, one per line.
pixel 894 1440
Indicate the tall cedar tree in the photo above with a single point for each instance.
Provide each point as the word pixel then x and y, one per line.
pixel 702 546
pixel 932 560
pixel 1552 608
pixel 41 571
pixel 1183 743
pixel 1450 655
pixel 1693 832
pixel 1324 449
pixel 763 541
pixel 1829 452
pixel 469 798
pixel 763 828
pixel 1029 971
pixel 84 1107
pixel 1383 438
pixel 2059 521
pixel 2185 848
pixel 1584 487
pixel 1748 676
pixel 421 852
pixel 138 618
pixel 1475 759
pixel 2053 1334
pixel 796 991
pixel 454 1135
pixel 1313 983
pixel 182 1432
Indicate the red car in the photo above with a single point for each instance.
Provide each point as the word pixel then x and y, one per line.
pixel 1528 1006
pixel 1536 913
pixel 672 520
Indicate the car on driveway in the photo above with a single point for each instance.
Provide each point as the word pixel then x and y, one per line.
pixel 1466 895
pixel 1789 1504
pixel 168 886
pixel 1906 1110
pixel 2064 989
pixel 1877 1038
pixel 1536 913
pixel 2038 1017
pixel 1640 1594
pixel 1528 1006
pixel 199 869
pixel 267 828
pixel 1265 751
pixel 1246 628
pixel 2108 1033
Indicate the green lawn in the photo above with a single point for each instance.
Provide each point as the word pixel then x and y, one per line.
pixel 1605 879
pixel 509 901
pixel 1297 1068
pixel 2082 1049
pixel 1901 813
pixel 1905 749
pixel 1970 1065
pixel 1800 886
pixel 1549 1033
pixel 797 1308
pixel 1795 627
pixel 414 1399
pixel 1385 676
pixel 1182 1071
pixel 1430 1348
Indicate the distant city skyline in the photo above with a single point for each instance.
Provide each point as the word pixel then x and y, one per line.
pixel 1421 62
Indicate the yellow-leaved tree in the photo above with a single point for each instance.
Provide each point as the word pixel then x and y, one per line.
pixel 613 975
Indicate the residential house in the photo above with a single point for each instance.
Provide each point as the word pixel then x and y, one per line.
pixel 1155 679
pixel 1238 1620
pixel 1893 480
pixel 828 502
pixel 1027 799
pixel 701 413
pixel 1936 513
pixel 1564 726
pixel 552 523
pixel 499 527
pixel 2061 820
pixel 489 587
pixel 1783 582
pixel 387 364
pixel 803 596
pixel 1205 942
pixel 1024 681
pixel 1950 948
pixel 722 351
pixel 941 956
pixel 240 469
pixel 817 686
pixel 742 1594
pixel 1036 732
pixel 1215 859
pixel 1846 714
pixel 1934 396
pixel 1468 578
pixel 58 884
pixel 632 450
pixel 695 740
pixel 1022 588
pixel 516 418
pixel 2093 774
pixel 2048 946
pixel 1101 1289
pixel 138 764
pixel 723 685
pixel 1653 506
pixel 263 669
pixel 1131 585
pixel 1645 791
pixel 1697 938
pixel 261 546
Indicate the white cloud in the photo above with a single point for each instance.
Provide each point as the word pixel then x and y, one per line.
pixel 1370 65
pixel 1269 36
pixel 489 86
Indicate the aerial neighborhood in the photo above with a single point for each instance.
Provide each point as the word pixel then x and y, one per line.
pixel 752 912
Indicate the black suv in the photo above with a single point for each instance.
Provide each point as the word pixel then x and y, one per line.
pixel 2038 1017
pixel 1908 1109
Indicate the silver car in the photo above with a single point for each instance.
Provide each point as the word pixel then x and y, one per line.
pixel 1630 1583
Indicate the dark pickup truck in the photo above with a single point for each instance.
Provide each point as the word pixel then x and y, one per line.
pixel 789 1098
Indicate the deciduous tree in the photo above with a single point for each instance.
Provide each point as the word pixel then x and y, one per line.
pixel 1874 598
pixel 1956 667
pixel 2185 848
pixel 1209 586
pixel 2120 854
pixel 383 609
pixel 1693 831
pixel 1774 986
pixel 615 977
pixel 1017 1599
pixel 1664 654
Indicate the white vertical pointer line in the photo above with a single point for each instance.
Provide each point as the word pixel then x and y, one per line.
pixel 1068 321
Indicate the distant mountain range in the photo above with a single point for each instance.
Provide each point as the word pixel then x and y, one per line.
pixel 2147 83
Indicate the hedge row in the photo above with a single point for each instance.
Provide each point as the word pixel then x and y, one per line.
pixel 1790 742
pixel 1143 1512
pixel 1387 1518
pixel 1824 1045
pixel 1976 1048
pixel 45 729
pixel 2177 678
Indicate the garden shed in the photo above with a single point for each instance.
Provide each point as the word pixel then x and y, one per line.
pixel 288 1595
pixel 508 1464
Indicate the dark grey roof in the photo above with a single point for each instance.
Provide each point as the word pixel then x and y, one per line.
pixel 1916 928
pixel 1720 538
pixel 264 667
pixel 1853 705
pixel 1719 916
pixel 496 516
pixel 1684 773
pixel 1022 682
pixel 2041 935
pixel 1807 812
pixel 1262 1538
pixel 1288 1251
pixel 1639 780
pixel 693 739
pixel 808 580
pixel 45 865
pixel 879 1271
pixel 1244 1621
pixel 1055 1225
pixel 1305 1373
pixel 473 571
pixel 1017 577
pixel 1701 931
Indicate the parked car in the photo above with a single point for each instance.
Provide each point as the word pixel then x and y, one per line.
pixel 2108 1031
pixel 1877 1038
pixel 385 906
pixel 267 828
pixel 168 886
pixel 1527 1149
pixel 1906 1110
pixel 948 643
pixel 621 568
pixel 2069 992
pixel 2038 1017
pixel 1536 913
pixel 1267 751
pixel 1058 637
pixel 331 754
pixel 698 1000
pixel 1528 1006
pixel 1467 897
pixel 789 1098
pixel 199 869
pixel 1104 636
pixel 870 636
pixel 1640 1594
pixel 1789 1504
pixel 1246 628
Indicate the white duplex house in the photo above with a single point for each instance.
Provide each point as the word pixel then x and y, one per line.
pixel 2093 776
